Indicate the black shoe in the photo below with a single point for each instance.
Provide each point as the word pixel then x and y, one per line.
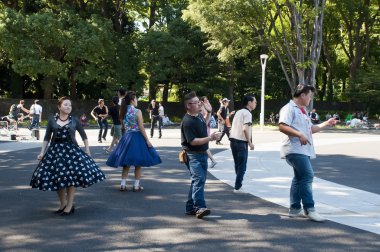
pixel 100 140
pixel 72 210
pixel 202 212
pixel 159 136
pixel 104 139
pixel 59 211
pixel 191 213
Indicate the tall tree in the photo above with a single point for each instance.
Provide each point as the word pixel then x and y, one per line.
pixel 291 30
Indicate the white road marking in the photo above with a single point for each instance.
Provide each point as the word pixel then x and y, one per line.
pixel 269 178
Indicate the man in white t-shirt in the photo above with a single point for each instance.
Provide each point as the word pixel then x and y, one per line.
pixel 241 138
pixel 35 112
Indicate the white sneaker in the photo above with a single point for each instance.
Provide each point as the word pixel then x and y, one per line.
pixel 314 216
pixel 213 163
pixel 296 213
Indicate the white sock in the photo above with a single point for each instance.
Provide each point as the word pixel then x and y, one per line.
pixel 137 183
pixel 123 182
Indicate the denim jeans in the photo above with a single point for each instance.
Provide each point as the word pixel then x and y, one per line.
pixel 153 121
pixel 35 122
pixel 197 165
pixel 240 154
pixel 102 124
pixel 301 189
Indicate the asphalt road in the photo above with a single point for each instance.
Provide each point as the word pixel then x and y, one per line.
pixel 154 220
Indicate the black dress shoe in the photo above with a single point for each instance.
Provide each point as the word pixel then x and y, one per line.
pixel 59 210
pixel 72 210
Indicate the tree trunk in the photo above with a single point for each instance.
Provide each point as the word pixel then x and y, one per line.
pixel 152 13
pixel 73 86
pixel 25 6
pixel 17 87
pixel 152 89
pixel 47 86
pixel 165 93
pixel 330 86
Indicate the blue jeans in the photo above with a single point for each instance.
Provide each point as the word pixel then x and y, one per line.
pixel 240 154
pixel 102 124
pixel 197 165
pixel 35 122
pixel 301 189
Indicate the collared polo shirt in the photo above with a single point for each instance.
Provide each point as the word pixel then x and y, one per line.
pixel 293 116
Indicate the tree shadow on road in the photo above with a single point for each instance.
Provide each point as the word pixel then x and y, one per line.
pixel 154 220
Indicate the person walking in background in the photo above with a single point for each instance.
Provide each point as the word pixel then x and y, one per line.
pixel 298 148
pixel 114 112
pixel 241 138
pixel 161 113
pixel 194 140
pixel 121 94
pixel 314 117
pixel 100 113
pixel 154 115
pixel 65 166
pixel 83 120
pixel 134 147
pixel 223 114
pixel 207 114
pixel 35 112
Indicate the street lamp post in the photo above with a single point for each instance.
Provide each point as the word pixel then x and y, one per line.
pixel 263 60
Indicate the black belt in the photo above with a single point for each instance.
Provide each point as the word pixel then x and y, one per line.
pixel 62 140
pixel 238 140
pixel 196 152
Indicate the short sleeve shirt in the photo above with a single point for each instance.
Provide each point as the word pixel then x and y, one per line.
pixel 241 118
pixel 294 117
pixel 99 111
pixel 193 127
pixel 114 113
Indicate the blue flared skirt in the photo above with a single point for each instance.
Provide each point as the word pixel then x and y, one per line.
pixel 132 150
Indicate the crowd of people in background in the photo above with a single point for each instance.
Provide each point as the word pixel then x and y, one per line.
pixel 64 166
pixel 16 115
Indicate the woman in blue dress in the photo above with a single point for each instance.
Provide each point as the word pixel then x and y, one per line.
pixel 134 148
pixel 65 165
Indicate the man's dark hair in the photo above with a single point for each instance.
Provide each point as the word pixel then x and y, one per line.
pixel 115 100
pixel 303 89
pixel 122 91
pixel 189 96
pixel 248 98
pixel 203 98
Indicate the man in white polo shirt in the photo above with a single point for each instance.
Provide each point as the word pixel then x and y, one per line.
pixel 298 148
pixel 241 138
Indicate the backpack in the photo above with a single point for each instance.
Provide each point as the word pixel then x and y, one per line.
pixel 14 111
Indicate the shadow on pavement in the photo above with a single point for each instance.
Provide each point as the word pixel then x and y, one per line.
pixel 154 220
